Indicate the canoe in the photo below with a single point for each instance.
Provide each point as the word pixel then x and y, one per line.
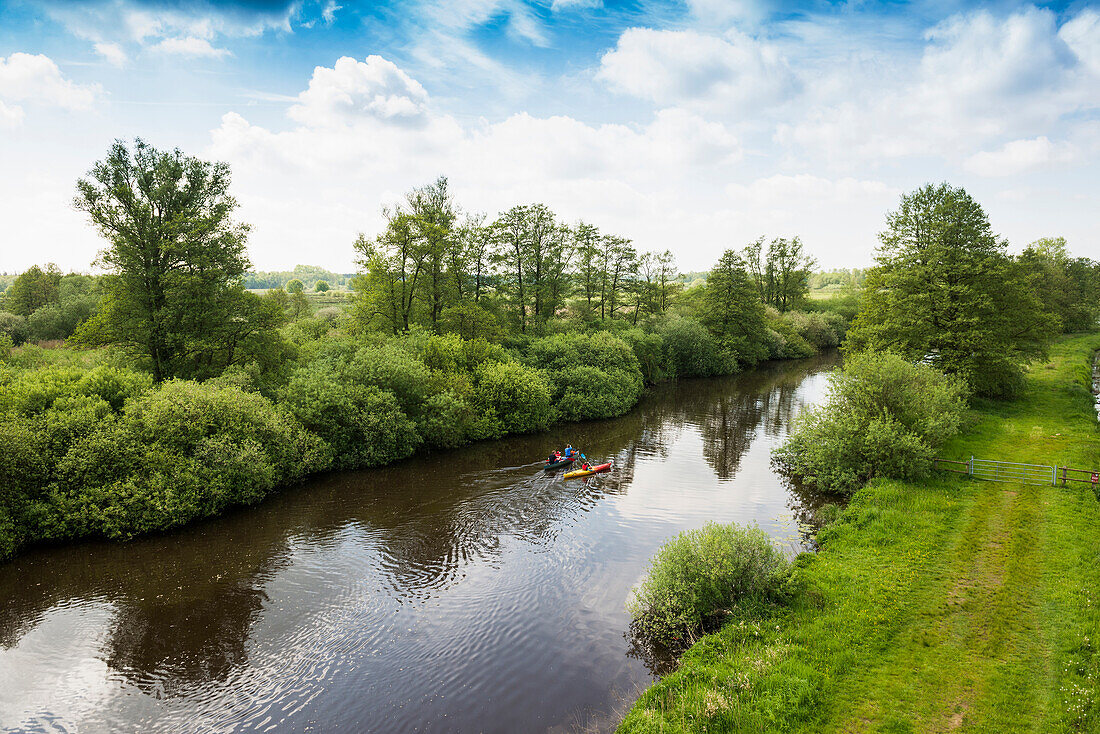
pixel 559 464
pixel 587 473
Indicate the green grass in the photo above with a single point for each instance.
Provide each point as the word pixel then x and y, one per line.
pixel 944 605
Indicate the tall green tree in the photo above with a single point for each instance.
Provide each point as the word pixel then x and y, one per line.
pixel 392 266
pixel 945 291
pixel 586 245
pixel 510 257
pixel 666 280
pixel 781 273
pixel 33 289
pixel 790 270
pixel 1068 287
pixel 175 258
pixel 732 309
pixel 433 216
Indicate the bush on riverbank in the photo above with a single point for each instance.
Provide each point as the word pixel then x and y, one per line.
pixel 91 449
pixel 933 604
pixel 698 576
pixel 884 417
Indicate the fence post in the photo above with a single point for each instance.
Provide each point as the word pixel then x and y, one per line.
pixel 970 466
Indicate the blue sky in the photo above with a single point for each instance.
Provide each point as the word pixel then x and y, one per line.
pixel 696 125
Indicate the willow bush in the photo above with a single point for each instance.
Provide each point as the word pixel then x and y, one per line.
pixel 698 576
pixel 883 417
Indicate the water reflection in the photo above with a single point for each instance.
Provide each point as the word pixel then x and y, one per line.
pixel 468 590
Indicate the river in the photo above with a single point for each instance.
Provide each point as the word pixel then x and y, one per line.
pixel 464 591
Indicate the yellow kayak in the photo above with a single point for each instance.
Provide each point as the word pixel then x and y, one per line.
pixel 587 472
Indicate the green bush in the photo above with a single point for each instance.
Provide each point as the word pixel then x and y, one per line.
pixel 391 368
pixel 601 350
pixel 15 326
pixel 514 397
pixel 450 421
pixel 692 351
pixel 591 375
pixel 697 577
pixel 817 330
pixel 588 392
pixel 180 416
pixel 6 345
pixel 883 417
pixel 649 349
pixel 33 391
pixel 363 425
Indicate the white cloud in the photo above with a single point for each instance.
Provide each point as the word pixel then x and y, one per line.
pixel 352 90
pixel 736 74
pixel 981 80
pixel 190 46
pixel 559 6
pixel 10 116
pixel 112 52
pixel 329 13
pixel 1021 156
pixel 36 79
pixel 663 183
pixel 1082 35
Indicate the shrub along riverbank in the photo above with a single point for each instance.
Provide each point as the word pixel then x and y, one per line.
pixel 934 605
pixel 95 449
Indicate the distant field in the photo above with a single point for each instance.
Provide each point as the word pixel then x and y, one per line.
pixel 827 292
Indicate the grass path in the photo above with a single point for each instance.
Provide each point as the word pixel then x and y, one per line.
pixel 940 606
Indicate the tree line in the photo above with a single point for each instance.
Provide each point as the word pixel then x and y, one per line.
pixel 438 267
pixel 460 329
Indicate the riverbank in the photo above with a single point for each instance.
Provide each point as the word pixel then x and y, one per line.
pixel 942 605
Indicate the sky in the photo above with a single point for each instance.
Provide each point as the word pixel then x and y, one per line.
pixel 695 126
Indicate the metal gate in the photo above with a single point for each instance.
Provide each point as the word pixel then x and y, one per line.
pixel 1008 471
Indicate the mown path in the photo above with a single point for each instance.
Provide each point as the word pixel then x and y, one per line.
pixel 950 605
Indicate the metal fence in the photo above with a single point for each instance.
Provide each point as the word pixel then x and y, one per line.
pixel 1009 471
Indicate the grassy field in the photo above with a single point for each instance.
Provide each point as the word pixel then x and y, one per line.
pixel 944 605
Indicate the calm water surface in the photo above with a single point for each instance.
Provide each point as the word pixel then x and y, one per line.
pixel 462 592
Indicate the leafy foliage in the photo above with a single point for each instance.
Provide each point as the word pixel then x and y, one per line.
pixel 696 578
pixel 883 417
pixel 945 290
pixel 362 424
pixel 175 258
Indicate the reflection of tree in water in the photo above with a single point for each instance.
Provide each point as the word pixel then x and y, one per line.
pixel 186 602
pixel 657 659
pixel 168 646
pixel 729 421
pixel 806 504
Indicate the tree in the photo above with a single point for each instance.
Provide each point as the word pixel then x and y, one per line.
pixel 945 291
pixel 470 258
pixel 321 286
pixel 586 244
pixel 790 270
pixel 392 265
pixel 433 216
pixel 1070 287
pixel 175 256
pixel 665 281
pixel 781 273
pixel 510 236
pixel 32 290
pixel 295 286
pixel 621 267
pixel 732 310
